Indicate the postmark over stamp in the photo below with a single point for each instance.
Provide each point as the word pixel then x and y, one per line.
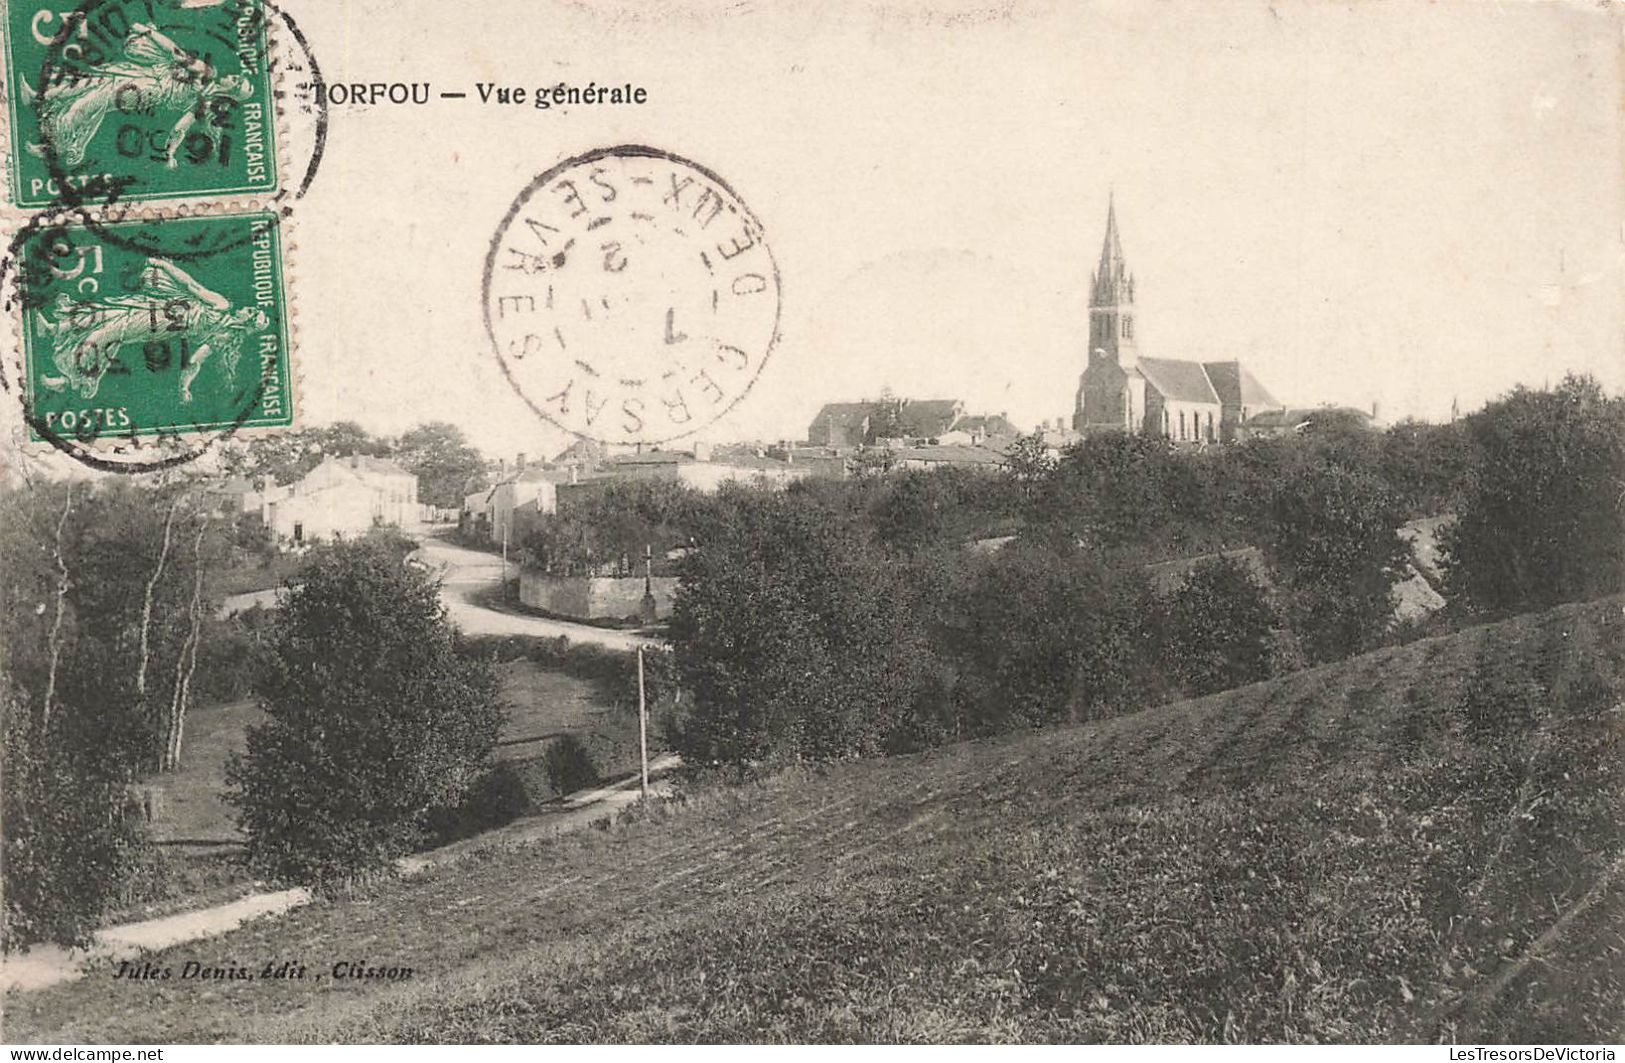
pixel 138 100
pixel 631 296
pixel 119 344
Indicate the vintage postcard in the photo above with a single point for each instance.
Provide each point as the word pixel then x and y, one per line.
pixel 891 521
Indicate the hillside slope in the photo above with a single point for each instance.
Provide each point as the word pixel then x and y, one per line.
pixel 1423 843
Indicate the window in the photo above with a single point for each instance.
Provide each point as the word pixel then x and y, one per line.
pixel 298 531
pixel 1210 426
pixel 1128 327
pixel 1181 424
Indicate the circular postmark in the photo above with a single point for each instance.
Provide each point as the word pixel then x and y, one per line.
pixel 630 296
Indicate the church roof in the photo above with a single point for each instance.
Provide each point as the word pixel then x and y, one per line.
pixel 1179 380
pixel 1237 387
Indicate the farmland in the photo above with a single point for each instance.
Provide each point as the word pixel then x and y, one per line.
pixel 1422 843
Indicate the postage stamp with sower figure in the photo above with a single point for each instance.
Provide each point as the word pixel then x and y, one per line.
pixel 122 343
pixel 136 100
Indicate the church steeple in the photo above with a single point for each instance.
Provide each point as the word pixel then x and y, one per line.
pixel 1111 298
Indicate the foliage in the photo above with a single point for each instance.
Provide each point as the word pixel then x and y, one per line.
pixel 1332 530
pixel 447 467
pixel 104 607
pixel 71 836
pixel 1217 627
pixel 569 764
pixel 1040 635
pixel 374 720
pixel 607 529
pixel 497 797
pixel 1542 519
pixel 1029 461
pixel 1426 465
pixel 792 635
pixel 286 457
pixel 1116 491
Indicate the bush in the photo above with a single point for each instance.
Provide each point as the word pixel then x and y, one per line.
pixel 374 721
pixel 1043 635
pixel 793 636
pixel 497 797
pixel 570 766
pixel 71 837
pixel 1542 520
pixel 1218 627
pixel 1332 530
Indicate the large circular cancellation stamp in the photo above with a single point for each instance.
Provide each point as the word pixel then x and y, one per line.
pixel 630 296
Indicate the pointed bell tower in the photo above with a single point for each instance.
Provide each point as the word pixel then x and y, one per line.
pixel 1111 299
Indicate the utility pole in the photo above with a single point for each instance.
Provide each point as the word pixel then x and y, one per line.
pixel 643 726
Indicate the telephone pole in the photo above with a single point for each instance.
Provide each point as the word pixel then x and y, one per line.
pixel 643 726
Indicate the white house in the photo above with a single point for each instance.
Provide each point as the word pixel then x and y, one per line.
pixel 342 496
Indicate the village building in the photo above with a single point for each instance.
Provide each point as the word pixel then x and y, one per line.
pixel 891 421
pixel 1122 390
pixel 343 496
pixel 702 468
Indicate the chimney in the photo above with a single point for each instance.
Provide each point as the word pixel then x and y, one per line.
pixel 1375 409
pixel 502 469
pixel 702 452
pixel 575 474
pixel 519 462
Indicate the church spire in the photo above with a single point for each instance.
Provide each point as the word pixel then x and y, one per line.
pixel 1111 298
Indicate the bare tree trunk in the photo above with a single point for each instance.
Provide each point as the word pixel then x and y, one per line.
pixel 146 609
pixel 186 664
pixel 55 640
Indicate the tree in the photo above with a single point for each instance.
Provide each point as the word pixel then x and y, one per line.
pixel 1427 465
pixel 791 633
pixel 287 456
pixel 1333 531
pixel 1029 461
pixel 103 612
pixel 1044 634
pixel 1542 518
pixel 1217 627
pixel 374 722
pixel 446 466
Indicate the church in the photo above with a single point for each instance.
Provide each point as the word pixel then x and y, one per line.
pixel 1121 391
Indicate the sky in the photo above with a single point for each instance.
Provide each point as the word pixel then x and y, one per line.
pixel 1397 203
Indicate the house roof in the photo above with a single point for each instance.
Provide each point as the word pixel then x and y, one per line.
pixel 650 457
pixel 993 424
pixel 928 417
pixel 1179 380
pixel 1236 386
pixel 534 474
pixel 951 455
pixel 843 414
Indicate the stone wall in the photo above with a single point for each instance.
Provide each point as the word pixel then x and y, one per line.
pixel 595 597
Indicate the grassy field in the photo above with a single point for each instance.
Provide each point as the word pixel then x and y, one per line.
pixel 1420 844
pixel 543 705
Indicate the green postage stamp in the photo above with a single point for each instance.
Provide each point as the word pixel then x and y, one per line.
pixel 137 100
pixel 157 327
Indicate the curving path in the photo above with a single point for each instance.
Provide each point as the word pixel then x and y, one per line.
pixel 465 574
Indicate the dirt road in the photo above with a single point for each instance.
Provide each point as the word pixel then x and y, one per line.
pixel 465 574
